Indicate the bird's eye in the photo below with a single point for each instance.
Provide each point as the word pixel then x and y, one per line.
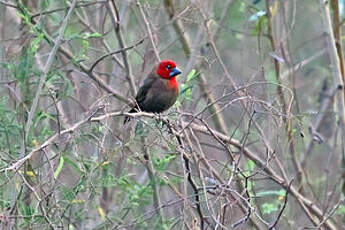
pixel 168 67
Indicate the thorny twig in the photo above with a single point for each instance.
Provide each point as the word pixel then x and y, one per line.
pixel 282 209
pixel 189 175
pixel 20 162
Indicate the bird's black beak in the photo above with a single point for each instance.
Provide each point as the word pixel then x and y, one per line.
pixel 174 72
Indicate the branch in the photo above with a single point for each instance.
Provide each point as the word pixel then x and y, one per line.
pixel 218 119
pixel 115 52
pixel 49 141
pixel 86 23
pixel 303 201
pixel 46 71
pixel 8 4
pixel 85 69
pixel 115 18
pixel 94 77
pixel 149 31
pixel 284 205
pixel 188 172
pixel 65 8
pixel 275 61
pixel 89 118
pixel 315 126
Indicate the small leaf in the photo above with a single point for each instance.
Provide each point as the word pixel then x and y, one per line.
pixel 30 173
pixel 190 75
pixel 341 210
pixel 93 35
pixel 101 212
pixel 281 197
pixel 195 75
pixel 280 192
pixel 105 163
pixel 260 24
pixel 85 44
pixel 185 89
pixel 250 165
pixel 35 143
pixel 77 201
pixel 59 168
pixel 73 164
pixel 257 15
pixel 269 208
pixel 35 43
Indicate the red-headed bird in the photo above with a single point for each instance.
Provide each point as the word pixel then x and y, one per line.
pixel 160 89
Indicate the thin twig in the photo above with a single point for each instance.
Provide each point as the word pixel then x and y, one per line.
pixel 115 52
pixel 20 162
pixel 282 209
pixel 189 175
pixel 315 125
pixel 149 31
pixel 66 8
pixel 115 18
pixel 302 200
pixel 85 69
pixel 8 4
pixel 45 73
pixel 218 118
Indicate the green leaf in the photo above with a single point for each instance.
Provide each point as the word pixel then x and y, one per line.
pixel 250 165
pixel 73 164
pixel 190 75
pixel 185 89
pixel 35 43
pixel 260 24
pixel 161 164
pixel 341 210
pixel 59 168
pixel 280 192
pixel 92 35
pixel 269 208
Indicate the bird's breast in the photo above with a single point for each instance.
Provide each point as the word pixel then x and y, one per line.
pixel 161 96
pixel 173 84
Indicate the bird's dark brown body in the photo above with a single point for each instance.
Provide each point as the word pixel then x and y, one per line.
pixel 157 94
pixel 159 91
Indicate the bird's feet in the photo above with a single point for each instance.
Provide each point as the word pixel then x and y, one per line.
pixel 161 121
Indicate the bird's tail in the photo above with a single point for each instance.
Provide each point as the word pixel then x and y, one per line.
pixel 127 119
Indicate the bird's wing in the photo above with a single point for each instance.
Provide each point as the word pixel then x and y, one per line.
pixel 143 90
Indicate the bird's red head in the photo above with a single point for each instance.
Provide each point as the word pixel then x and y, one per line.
pixel 167 69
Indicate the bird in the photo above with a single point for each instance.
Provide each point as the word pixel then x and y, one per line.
pixel 159 90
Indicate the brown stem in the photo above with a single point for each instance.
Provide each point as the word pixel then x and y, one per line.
pixel 115 18
pixel 338 43
pixel 275 61
pixel 304 202
pixel 218 119
pixel 149 31
pixel 286 110
pixel 154 183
